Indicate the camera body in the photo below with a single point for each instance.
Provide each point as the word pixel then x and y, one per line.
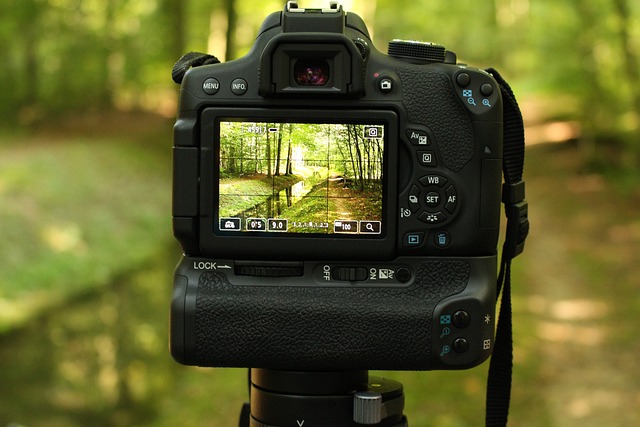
pixel 338 208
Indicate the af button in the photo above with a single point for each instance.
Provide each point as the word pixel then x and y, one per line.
pixel 452 199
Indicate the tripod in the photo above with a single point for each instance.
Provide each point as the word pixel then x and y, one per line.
pixel 322 399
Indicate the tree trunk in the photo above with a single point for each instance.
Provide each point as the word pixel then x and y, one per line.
pixel 232 24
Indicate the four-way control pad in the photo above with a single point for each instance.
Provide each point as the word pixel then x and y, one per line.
pixel 434 199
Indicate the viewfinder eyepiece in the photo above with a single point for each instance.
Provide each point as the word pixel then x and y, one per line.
pixel 313 72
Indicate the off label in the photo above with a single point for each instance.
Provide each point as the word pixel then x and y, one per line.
pixel 326 272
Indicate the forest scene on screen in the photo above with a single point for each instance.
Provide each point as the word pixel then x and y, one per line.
pixel 300 177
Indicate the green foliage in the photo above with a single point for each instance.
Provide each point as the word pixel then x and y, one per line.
pixel 70 55
pixel 75 214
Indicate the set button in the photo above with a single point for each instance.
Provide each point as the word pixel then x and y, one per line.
pixel 432 199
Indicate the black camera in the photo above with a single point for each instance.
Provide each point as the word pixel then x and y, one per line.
pixel 339 208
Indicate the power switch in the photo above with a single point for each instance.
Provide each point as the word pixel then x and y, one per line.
pixel 350 274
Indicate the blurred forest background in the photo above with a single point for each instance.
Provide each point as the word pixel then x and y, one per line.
pixel 86 107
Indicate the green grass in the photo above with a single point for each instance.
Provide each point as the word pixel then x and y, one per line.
pixel 76 211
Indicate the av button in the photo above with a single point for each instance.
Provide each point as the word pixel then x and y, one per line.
pixel 403 275
pixel 418 137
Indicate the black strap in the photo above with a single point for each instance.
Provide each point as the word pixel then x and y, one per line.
pixel 191 59
pixel 516 209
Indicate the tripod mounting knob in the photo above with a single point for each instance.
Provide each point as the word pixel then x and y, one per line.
pixel 367 407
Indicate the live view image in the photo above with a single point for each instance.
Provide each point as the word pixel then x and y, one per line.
pixel 319 178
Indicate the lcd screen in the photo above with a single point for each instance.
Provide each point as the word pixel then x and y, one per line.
pixel 300 178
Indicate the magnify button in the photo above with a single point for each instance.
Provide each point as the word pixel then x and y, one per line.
pixel 486 103
pixel 370 227
pixel 471 101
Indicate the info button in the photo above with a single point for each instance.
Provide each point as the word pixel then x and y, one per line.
pixel 239 87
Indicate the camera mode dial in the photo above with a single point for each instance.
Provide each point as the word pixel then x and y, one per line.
pixel 412 49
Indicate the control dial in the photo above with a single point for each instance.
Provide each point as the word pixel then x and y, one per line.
pixel 411 49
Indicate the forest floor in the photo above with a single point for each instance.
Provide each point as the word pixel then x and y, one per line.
pixel 576 294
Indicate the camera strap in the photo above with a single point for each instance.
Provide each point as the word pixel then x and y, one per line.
pixel 191 59
pixel 516 209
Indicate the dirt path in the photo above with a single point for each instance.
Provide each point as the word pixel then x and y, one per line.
pixel 577 308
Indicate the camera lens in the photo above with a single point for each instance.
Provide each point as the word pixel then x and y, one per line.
pixel 313 72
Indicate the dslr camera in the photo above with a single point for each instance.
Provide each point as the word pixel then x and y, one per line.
pixel 338 207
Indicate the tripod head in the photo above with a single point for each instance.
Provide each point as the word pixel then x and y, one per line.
pixel 337 399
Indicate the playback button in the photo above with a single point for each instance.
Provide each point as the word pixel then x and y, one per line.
pixel 413 239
